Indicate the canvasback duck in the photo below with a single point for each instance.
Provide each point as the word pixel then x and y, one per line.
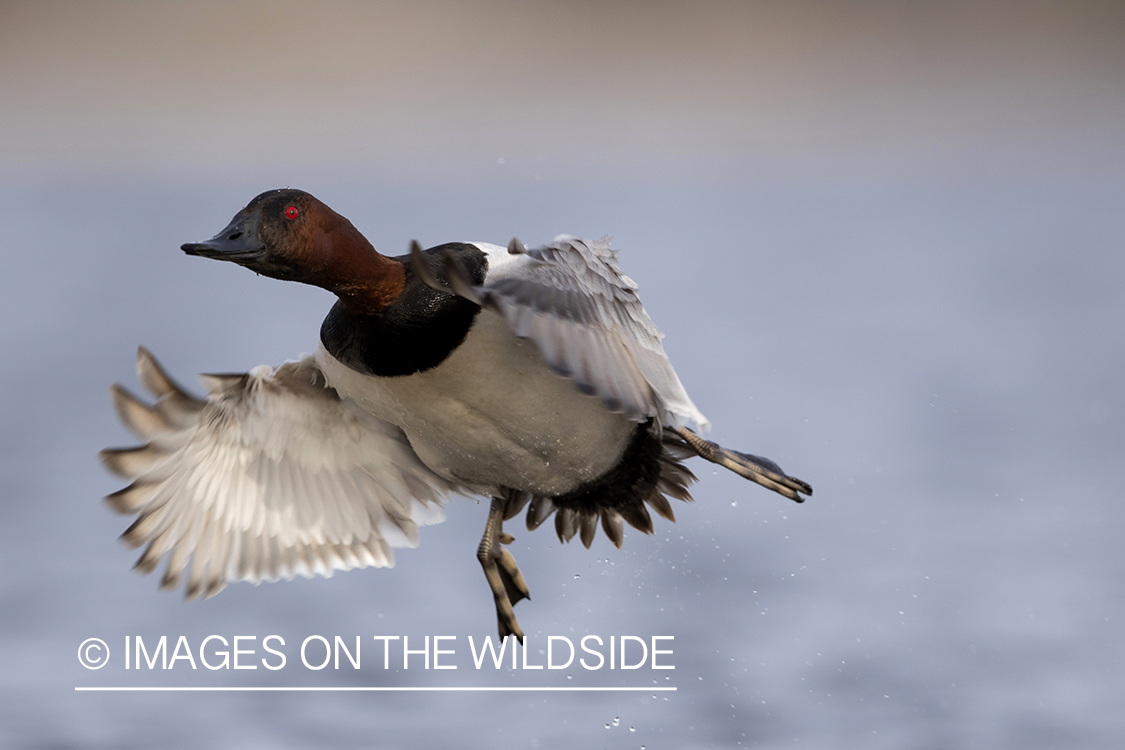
pixel 532 377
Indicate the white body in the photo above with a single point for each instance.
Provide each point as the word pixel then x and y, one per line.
pixel 493 414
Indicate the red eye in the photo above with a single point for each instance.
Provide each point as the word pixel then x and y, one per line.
pixel 291 212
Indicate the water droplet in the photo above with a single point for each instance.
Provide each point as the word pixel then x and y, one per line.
pixel 616 720
pixel 632 729
pixel 607 725
pixel 734 503
pixel 576 575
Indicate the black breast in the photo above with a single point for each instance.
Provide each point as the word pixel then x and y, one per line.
pixel 415 332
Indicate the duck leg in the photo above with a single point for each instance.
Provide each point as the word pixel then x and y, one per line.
pixel 501 571
pixel 755 468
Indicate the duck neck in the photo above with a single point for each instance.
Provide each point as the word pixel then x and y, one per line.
pixel 365 281
pixel 416 333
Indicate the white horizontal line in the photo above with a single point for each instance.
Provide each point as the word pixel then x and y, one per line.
pixel 479 689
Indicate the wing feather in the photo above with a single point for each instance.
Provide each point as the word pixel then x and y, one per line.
pixel 572 300
pixel 271 475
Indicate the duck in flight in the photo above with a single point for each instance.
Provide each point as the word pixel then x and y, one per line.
pixel 532 377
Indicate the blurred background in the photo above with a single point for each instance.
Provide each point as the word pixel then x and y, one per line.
pixel 885 243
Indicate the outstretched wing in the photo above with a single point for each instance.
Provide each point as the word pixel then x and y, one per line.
pixel 270 476
pixel 572 300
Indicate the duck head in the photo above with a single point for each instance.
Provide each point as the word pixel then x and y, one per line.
pixel 288 234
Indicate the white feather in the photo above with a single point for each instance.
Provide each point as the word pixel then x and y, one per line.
pixel 277 476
